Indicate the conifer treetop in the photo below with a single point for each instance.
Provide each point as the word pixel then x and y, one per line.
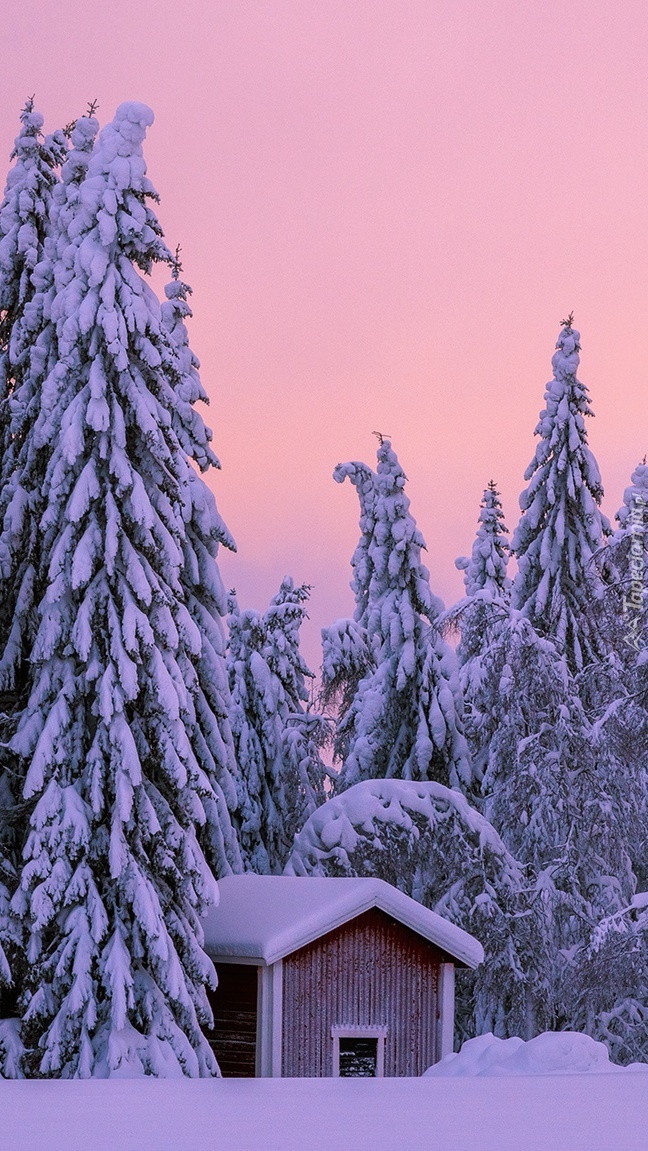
pixel 485 570
pixel 634 508
pixel 561 525
pixel 389 551
pixel 405 716
pixel 24 209
pixel 363 479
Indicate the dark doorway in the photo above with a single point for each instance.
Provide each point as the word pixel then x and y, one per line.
pixel 358 1057
pixel 234 1003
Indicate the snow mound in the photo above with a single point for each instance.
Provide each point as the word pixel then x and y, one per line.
pixel 552 1053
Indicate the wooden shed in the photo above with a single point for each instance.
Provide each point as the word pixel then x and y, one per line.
pixel 322 977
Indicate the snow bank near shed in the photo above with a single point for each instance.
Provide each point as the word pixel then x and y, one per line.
pixel 552 1053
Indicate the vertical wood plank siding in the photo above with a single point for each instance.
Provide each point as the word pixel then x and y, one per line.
pixel 371 971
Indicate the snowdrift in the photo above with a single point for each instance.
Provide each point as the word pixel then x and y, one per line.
pixel 552 1053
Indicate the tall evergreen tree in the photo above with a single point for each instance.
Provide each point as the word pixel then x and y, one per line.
pixel 540 708
pixel 551 791
pixel 202 586
pixel 621 719
pixel 483 612
pixel 405 718
pixel 485 570
pixel 30 357
pixel 561 525
pixel 114 880
pixel 24 231
pixel 624 565
pixel 610 990
pixel 281 774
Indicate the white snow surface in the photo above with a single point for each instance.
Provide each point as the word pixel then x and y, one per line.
pixel 552 1053
pixel 265 917
pixel 518 1113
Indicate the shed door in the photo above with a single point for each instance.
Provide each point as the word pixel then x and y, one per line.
pixel 234 1004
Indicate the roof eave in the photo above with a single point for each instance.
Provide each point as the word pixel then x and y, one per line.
pixel 465 951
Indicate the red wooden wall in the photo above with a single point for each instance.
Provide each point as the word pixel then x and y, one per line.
pixel 369 971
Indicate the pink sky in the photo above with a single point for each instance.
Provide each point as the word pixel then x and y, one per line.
pixel 385 209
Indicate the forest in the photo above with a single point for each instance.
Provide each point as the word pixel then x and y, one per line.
pixel 488 759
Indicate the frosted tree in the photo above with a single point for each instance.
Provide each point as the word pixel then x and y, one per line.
pixel 485 570
pixel 303 730
pixel 484 611
pixel 621 721
pixel 29 357
pixel 281 774
pixel 624 568
pixel 610 984
pixel 426 840
pixel 347 652
pixel 540 691
pixel 561 525
pixel 203 589
pixel 552 791
pixel 405 717
pixel 529 721
pixel 626 597
pixel 632 516
pixel 114 880
pixel 36 213
pixel 24 229
pixel 347 658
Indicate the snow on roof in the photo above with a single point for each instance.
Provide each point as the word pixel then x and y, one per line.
pixel 263 918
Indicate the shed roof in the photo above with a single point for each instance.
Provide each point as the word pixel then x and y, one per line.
pixel 262 918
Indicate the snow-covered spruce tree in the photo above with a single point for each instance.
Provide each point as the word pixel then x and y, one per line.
pixel 485 570
pixel 31 356
pixel 347 653
pixel 203 589
pixel 24 228
pixel 281 774
pixel 114 880
pixel 405 718
pixel 346 659
pixel 610 988
pixel 483 612
pixel 623 564
pixel 632 516
pixel 426 840
pixel 621 727
pixel 551 791
pixel 561 526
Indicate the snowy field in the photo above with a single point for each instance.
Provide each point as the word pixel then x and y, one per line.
pixel 520 1113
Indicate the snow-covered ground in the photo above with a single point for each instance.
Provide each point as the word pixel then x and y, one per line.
pixel 558 1092
pixel 520 1113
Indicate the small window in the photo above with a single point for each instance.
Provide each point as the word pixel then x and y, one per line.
pixel 358 1057
pixel 358 1052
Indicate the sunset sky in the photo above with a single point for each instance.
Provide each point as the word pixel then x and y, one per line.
pixel 385 208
